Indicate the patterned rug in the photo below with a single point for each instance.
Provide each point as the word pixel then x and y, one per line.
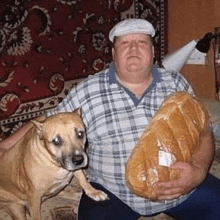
pixel 46 45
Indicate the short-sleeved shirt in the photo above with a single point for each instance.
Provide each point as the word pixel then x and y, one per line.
pixel 115 119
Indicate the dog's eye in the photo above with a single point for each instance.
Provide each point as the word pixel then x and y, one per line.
pixel 57 141
pixel 80 134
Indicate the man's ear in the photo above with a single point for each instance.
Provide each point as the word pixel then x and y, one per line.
pixel 39 127
pixel 113 53
pixel 153 50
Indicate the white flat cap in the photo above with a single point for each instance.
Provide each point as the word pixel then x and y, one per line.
pixel 131 26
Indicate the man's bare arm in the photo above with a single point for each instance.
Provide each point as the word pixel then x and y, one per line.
pixel 203 157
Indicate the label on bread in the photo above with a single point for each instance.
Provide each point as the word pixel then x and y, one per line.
pixel 165 158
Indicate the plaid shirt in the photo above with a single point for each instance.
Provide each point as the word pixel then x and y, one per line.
pixel 115 119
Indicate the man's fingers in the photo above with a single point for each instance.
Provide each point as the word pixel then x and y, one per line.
pixel 171 191
pixel 169 197
pixel 169 184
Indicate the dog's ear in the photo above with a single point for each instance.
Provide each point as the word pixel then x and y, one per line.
pixel 78 111
pixel 39 127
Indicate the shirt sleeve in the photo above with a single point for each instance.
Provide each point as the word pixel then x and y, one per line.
pixel 183 84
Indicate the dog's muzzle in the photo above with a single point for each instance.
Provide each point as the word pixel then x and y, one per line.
pixel 77 160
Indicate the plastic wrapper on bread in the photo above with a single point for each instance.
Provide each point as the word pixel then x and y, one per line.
pixel 172 136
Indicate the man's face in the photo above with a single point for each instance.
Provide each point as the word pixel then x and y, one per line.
pixel 133 53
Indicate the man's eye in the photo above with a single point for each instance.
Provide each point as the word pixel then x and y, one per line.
pixel 57 141
pixel 124 42
pixel 142 42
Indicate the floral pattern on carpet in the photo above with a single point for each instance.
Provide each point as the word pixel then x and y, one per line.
pixel 45 44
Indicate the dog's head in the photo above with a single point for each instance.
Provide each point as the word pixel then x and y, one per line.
pixel 63 136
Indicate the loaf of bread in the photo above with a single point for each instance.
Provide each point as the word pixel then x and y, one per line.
pixel 171 136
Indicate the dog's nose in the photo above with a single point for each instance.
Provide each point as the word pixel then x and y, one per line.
pixel 78 157
pixel 76 160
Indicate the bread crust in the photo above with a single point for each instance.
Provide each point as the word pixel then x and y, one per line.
pixel 172 136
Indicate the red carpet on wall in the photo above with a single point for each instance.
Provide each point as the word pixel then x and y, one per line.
pixel 47 46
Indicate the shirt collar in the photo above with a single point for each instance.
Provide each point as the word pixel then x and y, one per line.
pixel 112 77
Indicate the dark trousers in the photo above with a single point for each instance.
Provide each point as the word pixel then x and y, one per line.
pixel 203 204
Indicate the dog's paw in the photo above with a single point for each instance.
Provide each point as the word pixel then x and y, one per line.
pixel 98 195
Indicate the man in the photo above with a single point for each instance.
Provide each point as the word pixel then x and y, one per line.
pixel 117 104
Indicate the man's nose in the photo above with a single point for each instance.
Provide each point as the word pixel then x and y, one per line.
pixel 133 45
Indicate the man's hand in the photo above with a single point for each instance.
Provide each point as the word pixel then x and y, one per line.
pixel 190 177
pixel 191 174
pixel 2 151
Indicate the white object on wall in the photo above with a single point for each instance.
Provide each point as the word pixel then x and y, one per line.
pixel 197 58
pixel 177 59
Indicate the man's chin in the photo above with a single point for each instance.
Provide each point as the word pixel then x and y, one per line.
pixel 134 62
pixel 134 67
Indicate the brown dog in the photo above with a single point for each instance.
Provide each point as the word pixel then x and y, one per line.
pixel 42 163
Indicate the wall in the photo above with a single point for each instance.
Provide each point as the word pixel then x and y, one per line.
pixel 188 20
